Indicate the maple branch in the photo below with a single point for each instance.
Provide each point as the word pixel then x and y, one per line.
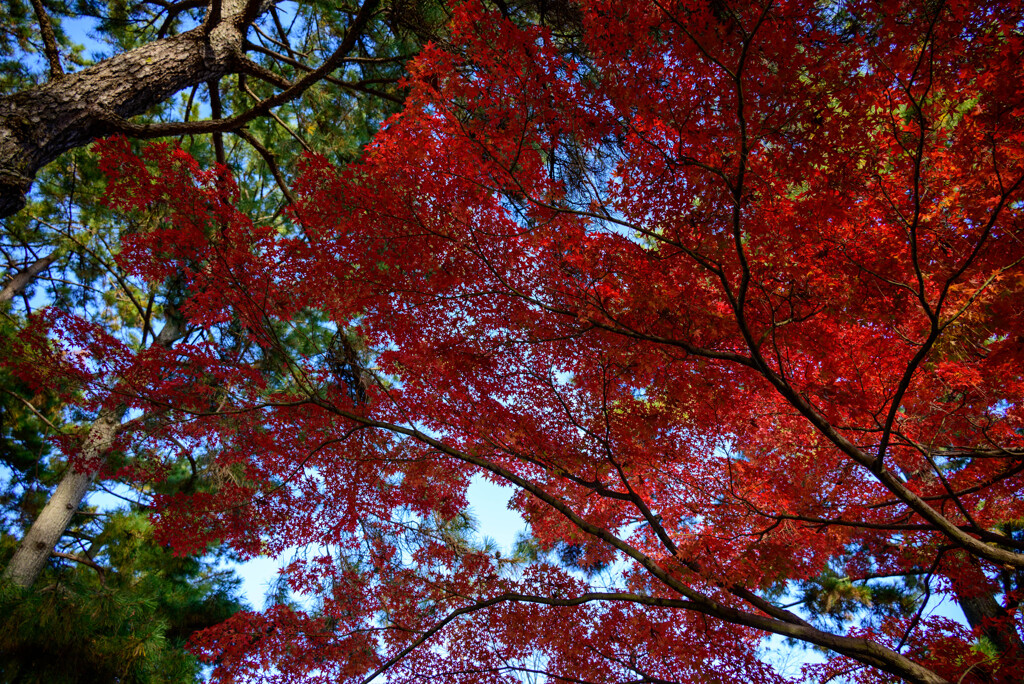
pixel 757 362
pixel 645 677
pixel 924 603
pixel 935 331
pixel 862 650
pixel 700 46
pixel 618 328
pixel 301 465
pixel 918 109
pixel 525 598
pixel 814 521
pixel 1009 472
pixel 678 160
pixel 654 522
pixel 523 669
pixel 949 490
pixel 885 477
pixel 800 402
pixel 875 465
pixel 602 218
pixel 981 288
pixel 21 280
pixel 965 452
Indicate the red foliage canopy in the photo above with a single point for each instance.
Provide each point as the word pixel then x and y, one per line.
pixel 734 297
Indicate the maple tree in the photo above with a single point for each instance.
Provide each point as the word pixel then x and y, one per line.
pixel 730 294
pixel 58 96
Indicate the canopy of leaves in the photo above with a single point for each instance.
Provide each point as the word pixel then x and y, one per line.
pixel 731 294
pixel 113 603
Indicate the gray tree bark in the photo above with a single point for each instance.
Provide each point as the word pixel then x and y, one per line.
pixel 39 542
pixel 39 124
pixel 20 280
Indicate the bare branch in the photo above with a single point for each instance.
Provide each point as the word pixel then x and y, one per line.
pixel 271 162
pixel 81 559
pixel 22 278
pixel 49 40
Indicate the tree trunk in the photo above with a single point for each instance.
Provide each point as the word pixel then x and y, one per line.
pixel 990 619
pixel 39 124
pixel 984 613
pixel 38 544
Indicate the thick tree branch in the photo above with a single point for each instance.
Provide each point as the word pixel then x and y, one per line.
pixel 39 124
pixel 264 107
pixel 22 278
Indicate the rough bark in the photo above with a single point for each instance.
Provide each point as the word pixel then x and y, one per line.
pixel 39 124
pixel 20 280
pixel 39 542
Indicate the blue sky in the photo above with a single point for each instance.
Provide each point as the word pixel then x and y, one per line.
pixel 488 504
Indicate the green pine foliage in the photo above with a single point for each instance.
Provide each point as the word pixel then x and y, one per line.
pixel 113 605
pixel 124 617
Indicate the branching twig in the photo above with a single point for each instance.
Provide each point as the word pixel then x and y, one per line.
pixel 49 40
